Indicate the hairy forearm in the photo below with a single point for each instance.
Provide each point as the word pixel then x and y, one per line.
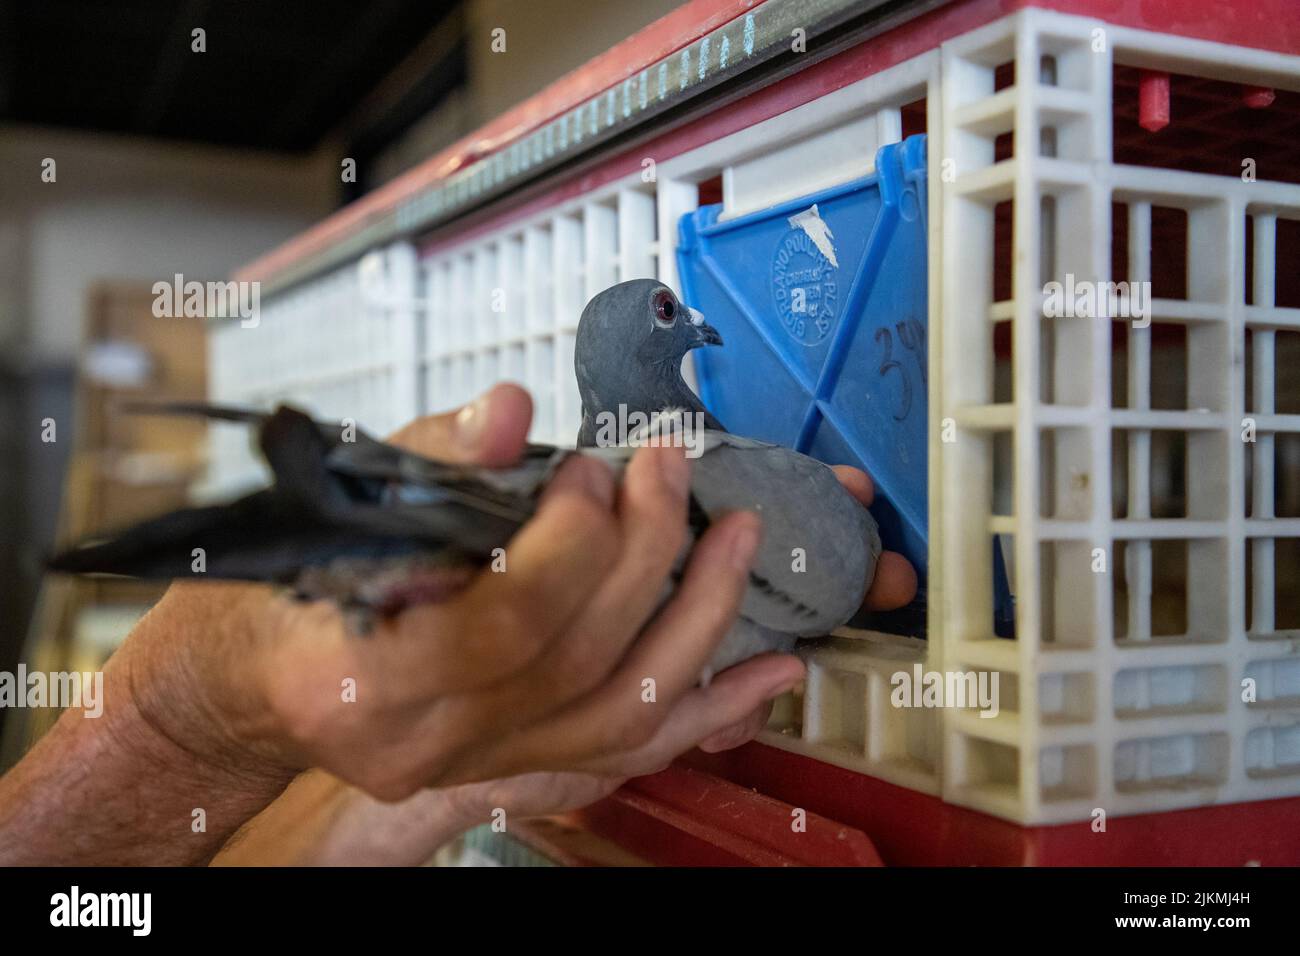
pixel 125 787
pixel 322 821
pixel 112 791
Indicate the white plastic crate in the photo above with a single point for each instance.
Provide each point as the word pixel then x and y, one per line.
pixel 1108 714
pixel 342 347
pixel 507 307
pixel 1097 710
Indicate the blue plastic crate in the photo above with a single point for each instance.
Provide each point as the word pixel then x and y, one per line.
pixel 824 321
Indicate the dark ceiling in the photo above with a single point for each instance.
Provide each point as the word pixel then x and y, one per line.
pixel 276 75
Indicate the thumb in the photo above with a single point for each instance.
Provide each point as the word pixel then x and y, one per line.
pixel 491 430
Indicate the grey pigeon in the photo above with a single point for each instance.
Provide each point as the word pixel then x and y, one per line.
pixel 375 528
pixel 820 545
pixel 631 341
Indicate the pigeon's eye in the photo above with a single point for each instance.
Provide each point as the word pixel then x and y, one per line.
pixel 665 308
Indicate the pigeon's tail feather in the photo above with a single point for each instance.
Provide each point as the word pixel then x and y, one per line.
pixel 273 536
pixel 237 414
pixel 170 545
pixel 295 449
pixel 223 413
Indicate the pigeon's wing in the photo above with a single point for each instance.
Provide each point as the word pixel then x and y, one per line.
pixel 365 457
pixel 352 498
pixel 272 536
pixel 261 537
pixel 820 545
pixel 210 410
pixel 368 459
pixel 335 469
pixel 297 451
pixel 292 442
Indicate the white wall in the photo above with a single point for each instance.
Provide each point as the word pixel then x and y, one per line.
pixel 123 208
pixel 119 209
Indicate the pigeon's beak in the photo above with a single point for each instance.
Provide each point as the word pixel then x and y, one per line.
pixel 705 334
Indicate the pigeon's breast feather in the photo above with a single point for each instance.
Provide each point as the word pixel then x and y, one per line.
pixel 820 545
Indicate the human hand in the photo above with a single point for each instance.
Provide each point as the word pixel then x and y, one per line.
pixel 538 668
pixel 224 692
pixel 321 820
pixel 543 794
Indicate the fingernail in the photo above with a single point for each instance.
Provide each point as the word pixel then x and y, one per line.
pixel 470 422
pixel 676 471
pixel 744 543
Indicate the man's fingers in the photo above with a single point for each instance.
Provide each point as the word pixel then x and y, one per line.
pixel 628 709
pixel 549 569
pixel 683 636
pixel 490 431
pixel 581 475
pixel 856 482
pixel 652 515
pixel 894 584
pixel 738 733
pixel 736 701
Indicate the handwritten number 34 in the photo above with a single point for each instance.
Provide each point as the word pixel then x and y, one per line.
pixel 912 334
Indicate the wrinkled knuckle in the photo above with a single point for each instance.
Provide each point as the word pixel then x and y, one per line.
pixel 304 720
pixel 387 784
pixel 440 759
pixel 575 671
pixel 635 730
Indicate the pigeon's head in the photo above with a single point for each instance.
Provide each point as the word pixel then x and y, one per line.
pixel 645 319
